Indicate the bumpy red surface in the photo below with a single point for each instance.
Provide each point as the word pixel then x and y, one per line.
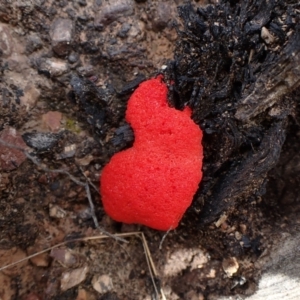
pixel 153 183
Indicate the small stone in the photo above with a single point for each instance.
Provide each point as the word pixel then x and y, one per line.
pixel 86 71
pixel 11 158
pixel 69 151
pixel 72 278
pixel 161 17
pixel 6 41
pixel 230 266
pixel 52 120
pixel 238 235
pixel 61 33
pixel 30 96
pixel 73 58
pixel 102 283
pixel 84 161
pixel 82 295
pixel 34 43
pixel 113 10
pixel 85 213
pixel 41 260
pixel 124 30
pixel 56 212
pixel 66 257
pixel 54 67
pixel 243 228
pixel 41 141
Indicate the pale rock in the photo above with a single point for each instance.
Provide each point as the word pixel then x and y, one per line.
pixel 52 120
pixel 102 283
pixel 54 66
pixel 56 212
pixel 82 295
pixel 73 277
pixel 30 97
pixel 41 260
pixel 113 10
pixel 67 258
pixel 230 266
pixel 62 33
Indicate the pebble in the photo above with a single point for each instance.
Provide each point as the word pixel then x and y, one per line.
pixel 67 257
pixel 86 71
pixel 41 141
pixel 41 260
pixel 10 158
pixel 52 120
pixel 82 295
pixel 238 235
pixel 30 96
pixel 113 10
pixel 230 266
pixel 124 30
pixel 6 42
pixel 61 34
pixel 71 278
pixel 161 17
pixel 56 212
pixel 84 161
pixel 102 283
pixel 69 151
pixel 34 43
pixel 55 67
pixel 73 58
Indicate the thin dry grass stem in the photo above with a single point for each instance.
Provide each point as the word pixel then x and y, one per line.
pixel 89 181
pixel 149 260
pixel 163 239
pixel 152 267
pixel 74 179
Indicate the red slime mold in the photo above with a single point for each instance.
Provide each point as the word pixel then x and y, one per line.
pixel 153 183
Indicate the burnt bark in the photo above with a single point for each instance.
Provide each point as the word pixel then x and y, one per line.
pixel 237 65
